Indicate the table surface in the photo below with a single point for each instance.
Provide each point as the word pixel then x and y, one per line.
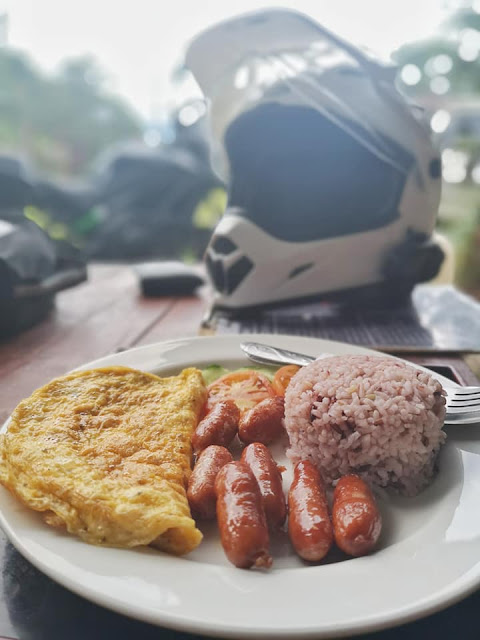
pixel 104 315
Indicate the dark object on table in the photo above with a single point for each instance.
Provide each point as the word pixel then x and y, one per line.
pixel 32 270
pixel 169 278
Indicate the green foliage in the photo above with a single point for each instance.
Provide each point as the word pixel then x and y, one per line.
pixel 73 233
pixel 460 223
pixel 462 18
pixel 59 121
pixel 464 75
pixel 458 38
pixel 209 211
pixel 468 254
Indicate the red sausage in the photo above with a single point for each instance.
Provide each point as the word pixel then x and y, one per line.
pixel 309 525
pixel 356 519
pixel 269 479
pixel 241 519
pixel 201 485
pixel 219 426
pixel 263 423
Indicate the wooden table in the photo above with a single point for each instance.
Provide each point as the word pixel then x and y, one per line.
pixel 104 315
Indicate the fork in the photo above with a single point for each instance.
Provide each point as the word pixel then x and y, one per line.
pixel 462 403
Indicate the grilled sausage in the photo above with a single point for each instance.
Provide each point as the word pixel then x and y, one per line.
pixel 356 519
pixel 219 426
pixel 241 519
pixel 269 480
pixel 309 525
pixel 201 485
pixel 263 423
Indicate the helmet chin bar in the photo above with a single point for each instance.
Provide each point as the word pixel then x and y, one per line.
pixel 416 259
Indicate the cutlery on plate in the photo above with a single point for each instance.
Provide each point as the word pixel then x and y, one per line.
pixel 265 354
pixel 463 403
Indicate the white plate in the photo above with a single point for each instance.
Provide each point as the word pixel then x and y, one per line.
pixel 428 558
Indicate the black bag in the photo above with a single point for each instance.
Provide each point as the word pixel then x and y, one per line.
pixel 32 269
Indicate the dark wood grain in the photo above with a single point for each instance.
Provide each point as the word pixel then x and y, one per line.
pixel 181 319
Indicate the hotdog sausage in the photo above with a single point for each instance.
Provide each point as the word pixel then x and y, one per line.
pixel 240 516
pixel 309 525
pixel 263 423
pixel 269 479
pixel 201 485
pixel 357 522
pixel 219 426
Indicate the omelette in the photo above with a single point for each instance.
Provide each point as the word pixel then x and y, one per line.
pixel 106 454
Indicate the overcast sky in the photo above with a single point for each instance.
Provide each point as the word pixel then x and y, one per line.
pixel 137 42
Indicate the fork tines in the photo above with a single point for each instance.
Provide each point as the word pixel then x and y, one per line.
pixel 463 400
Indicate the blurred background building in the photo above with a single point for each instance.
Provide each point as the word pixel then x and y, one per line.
pixel 103 133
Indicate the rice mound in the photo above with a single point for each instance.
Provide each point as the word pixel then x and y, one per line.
pixel 371 415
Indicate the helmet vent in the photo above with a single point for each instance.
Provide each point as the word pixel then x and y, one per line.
pixel 237 272
pixel 435 168
pixel 217 274
pixel 223 245
pixel 300 269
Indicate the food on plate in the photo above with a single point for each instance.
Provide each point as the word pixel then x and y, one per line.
pixel 241 518
pixel 106 454
pixel 201 485
pixel 355 516
pixel 371 415
pixel 269 479
pixel 282 378
pixel 246 387
pixel 263 422
pixel 212 372
pixel 219 426
pixel 309 524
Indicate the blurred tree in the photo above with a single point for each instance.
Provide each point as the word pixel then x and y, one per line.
pixel 60 121
pixel 442 73
pixel 464 17
pixel 447 63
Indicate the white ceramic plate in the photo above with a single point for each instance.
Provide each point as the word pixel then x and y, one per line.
pixel 428 558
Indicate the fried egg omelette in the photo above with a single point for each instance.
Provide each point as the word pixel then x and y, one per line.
pixel 106 453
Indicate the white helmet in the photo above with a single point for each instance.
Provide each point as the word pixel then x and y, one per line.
pixel 334 184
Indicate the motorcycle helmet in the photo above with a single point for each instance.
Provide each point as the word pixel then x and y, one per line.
pixel 333 182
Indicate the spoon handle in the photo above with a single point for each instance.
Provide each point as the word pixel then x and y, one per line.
pixel 265 354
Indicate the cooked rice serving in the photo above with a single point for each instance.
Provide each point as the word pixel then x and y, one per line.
pixel 371 415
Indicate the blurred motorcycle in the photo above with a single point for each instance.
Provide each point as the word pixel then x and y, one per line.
pixel 137 203
pixel 148 199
